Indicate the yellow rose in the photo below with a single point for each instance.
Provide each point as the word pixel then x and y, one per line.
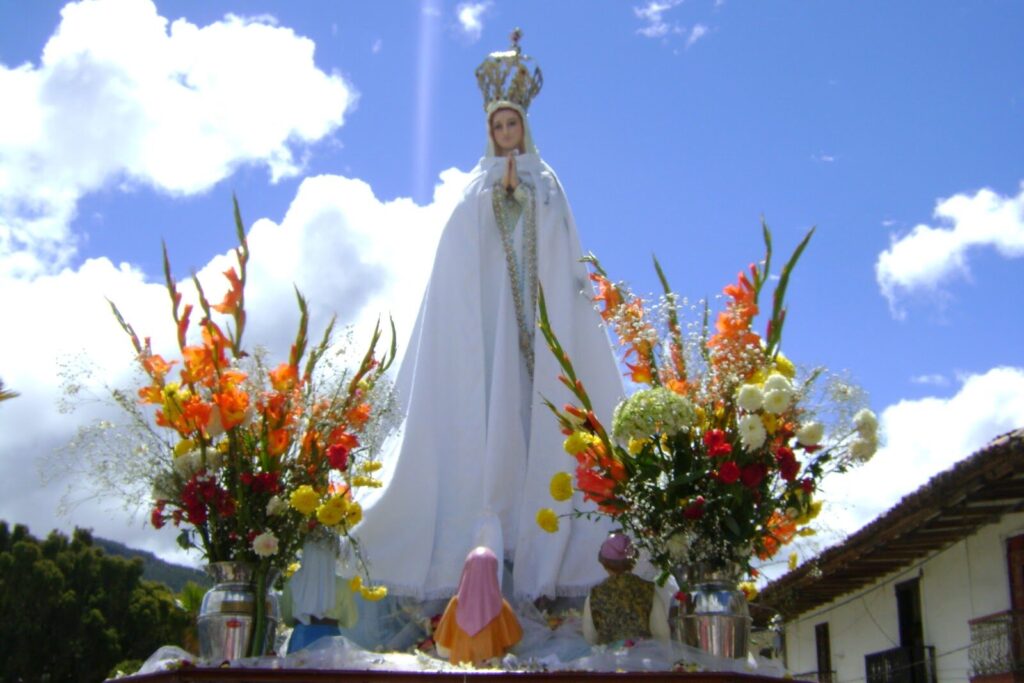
pixel 304 499
pixel 547 520
pixel 561 486
pixel 749 589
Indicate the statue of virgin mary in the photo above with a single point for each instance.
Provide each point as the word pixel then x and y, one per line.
pixel 478 448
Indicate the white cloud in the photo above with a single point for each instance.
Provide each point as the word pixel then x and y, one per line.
pixel 929 256
pixel 653 16
pixel 378 44
pixel 696 33
pixel 346 250
pixel 471 16
pixel 922 438
pixel 935 380
pixel 122 96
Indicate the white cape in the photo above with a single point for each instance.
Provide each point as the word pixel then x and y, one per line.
pixel 473 462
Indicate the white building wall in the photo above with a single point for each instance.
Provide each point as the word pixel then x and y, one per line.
pixel 965 581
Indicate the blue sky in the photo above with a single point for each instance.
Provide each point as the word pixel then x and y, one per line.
pixel 345 130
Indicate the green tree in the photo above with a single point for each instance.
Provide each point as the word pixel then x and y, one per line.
pixel 72 612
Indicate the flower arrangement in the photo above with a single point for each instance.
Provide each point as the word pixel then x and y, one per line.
pixel 252 458
pixel 716 458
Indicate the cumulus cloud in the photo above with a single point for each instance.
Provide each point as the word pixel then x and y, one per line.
pixel 471 18
pixel 922 438
pixel 930 255
pixel 653 16
pixel 348 251
pixel 121 95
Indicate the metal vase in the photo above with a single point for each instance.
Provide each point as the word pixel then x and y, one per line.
pixel 716 618
pixel 227 616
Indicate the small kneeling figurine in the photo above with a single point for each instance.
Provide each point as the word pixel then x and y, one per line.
pixel 478 623
pixel 316 601
pixel 623 606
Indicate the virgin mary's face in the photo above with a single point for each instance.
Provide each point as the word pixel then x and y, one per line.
pixel 507 131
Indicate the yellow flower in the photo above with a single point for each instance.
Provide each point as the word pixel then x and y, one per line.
pixel 224 446
pixel 371 466
pixel 561 486
pixel 664 442
pixel 806 531
pixel 749 589
pixel 577 443
pixel 353 514
pixel 374 594
pixel 771 423
pixel 793 560
pixel 183 447
pixel 637 445
pixel 291 569
pixel 813 510
pixel 758 377
pixel 785 366
pixel 547 520
pixel 304 499
pixel 360 480
pixel 355 584
pixel 331 511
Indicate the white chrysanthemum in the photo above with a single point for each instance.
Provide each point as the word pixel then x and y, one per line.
pixel 752 432
pixel 265 544
pixel 749 398
pixel 866 423
pixel 777 382
pixel 652 411
pixel 777 400
pixel 810 434
pixel 861 450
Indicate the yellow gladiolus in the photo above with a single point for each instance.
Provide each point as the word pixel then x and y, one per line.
pixel 371 466
pixel 793 560
pixel 304 499
pixel 547 520
pixel 561 486
pixel 370 482
pixel 183 447
pixel 355 584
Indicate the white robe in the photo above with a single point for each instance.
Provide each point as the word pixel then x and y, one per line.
pixel 473 462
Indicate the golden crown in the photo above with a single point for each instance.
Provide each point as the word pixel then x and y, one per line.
pixel 506 76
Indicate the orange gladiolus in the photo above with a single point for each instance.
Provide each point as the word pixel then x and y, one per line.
pixel 233 406
pixel 781 530
pixel 607 293
pixel 358 415
pixel 151 394
pixel 284 377
pixel 233 297
pixel 343 438
pixel 156 366
pixel 277 441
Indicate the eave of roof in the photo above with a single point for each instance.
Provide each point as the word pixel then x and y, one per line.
pixel 954 504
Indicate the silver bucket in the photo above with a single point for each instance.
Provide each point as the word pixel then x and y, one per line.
pixel 227 616
pixel 716 618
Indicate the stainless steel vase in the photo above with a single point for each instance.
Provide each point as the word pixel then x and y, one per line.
pixel 716 618
pixel 227 616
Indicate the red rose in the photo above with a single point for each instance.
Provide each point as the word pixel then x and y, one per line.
pixel 695 509
pixel 807 485
pixel 716 443
pixel 788 466
pixel 157 517
pixel 754 474
pixel 729 472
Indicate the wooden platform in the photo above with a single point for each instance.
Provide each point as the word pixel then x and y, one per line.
pixel 196 675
